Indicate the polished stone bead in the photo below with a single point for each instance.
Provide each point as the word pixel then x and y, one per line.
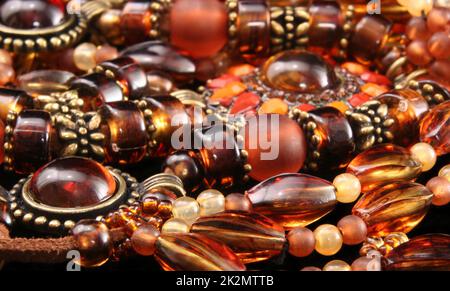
pixel 7 74
pixel 435 128
pixel 299 71
pixel 253 237
pixel 326 24
pixel 13 100
pixel 394 207
pixel 195 252
pixel 72 182
pixel 301 242
pixel 45 82
pixel 440 188
pixel 84 56
pixel 337 265
pixel 384 164
pixel 424 154
pixel 328 239
pixel 135 21
pixel 293 200
pixel 353 229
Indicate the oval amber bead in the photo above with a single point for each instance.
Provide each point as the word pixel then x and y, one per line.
pixel 396 207
pixel 430 252
pixel 435 128
pixel 195 252
pixel 383 164
pixel 253 237
pixel 293 200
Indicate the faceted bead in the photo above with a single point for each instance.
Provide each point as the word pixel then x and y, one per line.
pixel 195 252
pixel 440 188
pixel 353 229
pixel 435 128
pixel 45 82
pixel 424 154
pixel 274 106
pixel 251 236
pixel 135 21
pixel 211 202
pixel 326 24
pixel 238 202
pixel 398 207
pixel 293 200
pixel 383 164
pixel 445 172
pixel 430 252
pixel 13 100
pixel 7 74
pixel 301 242
pixel 188 31
pixel 72 182
pixel 144 239
pixel 186 166
pixel 348 188
pixel 84 56
pixel 328 239
pixel 175 225
pixel 263 136
pixel 337 265
pixel 245 102
pixel 299 71
pixel 186 208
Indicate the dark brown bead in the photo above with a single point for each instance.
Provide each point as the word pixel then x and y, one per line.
pixel 326 23
pixel 186 166
pixel 13 100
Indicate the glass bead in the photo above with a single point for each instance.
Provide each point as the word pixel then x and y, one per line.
pixel 135 21
pixel 328 239
pixel 188 31
pixel 238 202
pixel 5 57
pixel 274 106
pixel 45 82
pixel 7 74
pixel 337 265
pixel 186 208
pixel 2 141
pixel 105 52
pixel 186 166
pixel 144 239
pixel 394 207
pixel 225 94
pixel 263 136
pixel 326 23
pixel 94 243
pixel 435 128
pixel 310 269
pixel 175 225
pixel 348 188
pixel 373 89
pixel 5 216
pixel 440 188
pixel 439 45
pixel 438 19
pixel 160 82
pixel 84 56
pixel 417 29
pixel 360 264
pixel 354 68
pixel 293 200
pixel 418 54
pixel 439 69
pixel 445 172
pixel 211 202
pixel 301 242
pixel 353 229
pixel 245 102
pixel 424 154
pixel 417 7
pixel 241 70
pixel 108 24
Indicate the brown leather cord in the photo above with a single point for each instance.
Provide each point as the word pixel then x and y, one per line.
pixel 39 250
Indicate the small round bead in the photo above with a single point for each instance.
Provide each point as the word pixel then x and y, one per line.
pixel 348 188
pixel 144 238
pixel 175 225
pixel 301 242
pixel 186 208
pixel 445 172
pixel 417 29
pixel 439 45
pixel 353 229
pixel 366 264
pixel 425 154
pixel 417 53
pixel 84 56
pixel 417 7
pixel 211 202
pixel 310 268
pixel 7 74
pixel 328 239
pixel 438 19
pixel 5 58
pixel 105 52
pixel 337 265
pixel 440 188
pixel 238 202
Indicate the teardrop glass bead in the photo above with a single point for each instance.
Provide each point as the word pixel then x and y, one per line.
pixel 430 252
pixel 396 207
pixel 195 252
pixel 252 236
pixel 383 164
pixel 293 200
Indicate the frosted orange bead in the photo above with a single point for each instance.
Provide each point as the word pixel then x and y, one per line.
pixel 418 54
pixel 301 242
pixel 238 202
pixel 417 29
pixel 144 239
pixel 438 19
pixel 84 56
pixel 439 45
pixel 445 172
pixel 337 265
pixel 425 154
pixel 353 229
pixel 348 188
pixel 328 239
pixel 440 188
pixel 339 105
pixel 275 106
pixel 354 68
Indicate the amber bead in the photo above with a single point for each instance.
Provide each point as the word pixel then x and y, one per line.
pixel 369 37
pixel 430 252
pixel 135 22
pixel 251 236
pixel 198 27
pixel 105 52
pixel 45 82
pixel 383 164
pixel 445 172
pixel 144 239
pixel 238 202
pixel 13 100
pixel 275 144
pixel 328 239
pixel 293 200
pixel 84 56
pixel 159 82
pixel 440 188
pixel 353 229
pixel 424 154
pixel 175 225
pixel 128 137
pixel 326 24
pixel 301 242
pixel 195 252
pixel 5 57
pixel 186 166
pixel 394 207
pixel 348 188
pixel 93 241
pixel 337 265
pixel 435 128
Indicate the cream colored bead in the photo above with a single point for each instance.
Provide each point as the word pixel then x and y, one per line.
pixel 175 225
pixel 84 56
pixel 445 172
pixel 417 7
pixel 337 265
pixel 186 208
pixel 348 188
pixel 211 202
pixel 425 154
pixel 328 239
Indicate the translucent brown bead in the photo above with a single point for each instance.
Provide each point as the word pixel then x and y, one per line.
pixel 440 188
pixel 5 217
pixel 435 128
pixel 301 242
pixel 195 252
pixel 353 229
pixel 14 100
pixel 135 21
pixel 186 166
pixel 238 202
pixel 293 200
pixel 45 82
pixel 383 164
pixel 251 236
pixel 144 239
pixel 395 207
pixel 326 24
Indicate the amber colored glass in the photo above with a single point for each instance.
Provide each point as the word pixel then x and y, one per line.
pixel 93 241
pixel 383 164
pixel 186 166
pixel 14 100
pixel 31 140
pixel 45 82
pixel 5 217
pixel 2 141
pixel 253 28
pixel 353 229
pixel 337 144
pixel 127 133
pixel 195 252
pixel 326 24
pixel 430 252
pixel 135 21
pixel 238 202
pixel 301 241
pixel 72 182
pixel 435 128
pixel 369 37
pixel 144 239
pixel 253 237
pixel 293 200
pixel 395 207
